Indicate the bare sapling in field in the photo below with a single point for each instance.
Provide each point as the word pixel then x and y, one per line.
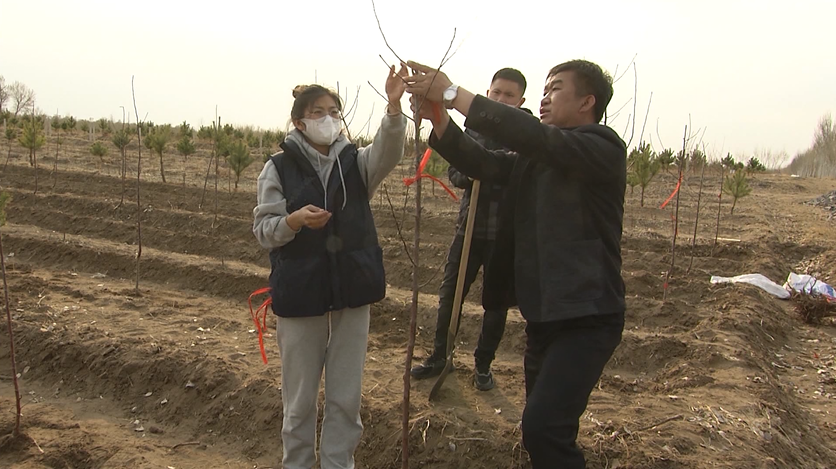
pixel 138 185
pixel 682 162
pixel 121 139
pixel 726 164
pixel 217 147
pixel 56 125
pixel 215 136
pixel 697 217
pixel 413 316
pixel 4 200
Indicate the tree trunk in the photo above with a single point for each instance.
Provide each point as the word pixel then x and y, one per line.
pixel 184 172
pixel 696 219
pixel 734 202
pixel 641 203
pixel 55 163
pixel 413 312
pixel 162 170
pixel 8 157
pixel 124 173
pixel 35 164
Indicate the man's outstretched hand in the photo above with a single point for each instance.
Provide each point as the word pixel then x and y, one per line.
pixel 427 81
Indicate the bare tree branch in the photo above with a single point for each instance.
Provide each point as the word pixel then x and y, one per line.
pixel 657 134
pixel 397 224
pixel 625 71
pixel 635 101
pixel 387 100
pixel 384 35
pixel 641 136
pixel 22 96
pixel 616 113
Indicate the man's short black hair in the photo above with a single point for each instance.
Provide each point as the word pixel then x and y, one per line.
pixel 589 79
pixel 511 74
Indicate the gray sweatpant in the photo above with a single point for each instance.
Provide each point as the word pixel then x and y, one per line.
pixel 336 341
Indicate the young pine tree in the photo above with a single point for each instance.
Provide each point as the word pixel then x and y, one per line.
pixel 185 147
pixel 754 166
pixel 728 162
pixel 737 187
pixel 644 167
pixel 32 139
pixel 11 135
pixel 157 141
pixel 665 159
pixel 99 150
pixel 121 139
pixel 238 159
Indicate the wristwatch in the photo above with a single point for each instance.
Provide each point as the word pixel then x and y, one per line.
pixel 449 95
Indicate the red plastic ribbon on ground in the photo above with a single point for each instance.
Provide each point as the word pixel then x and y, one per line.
pixel 260 313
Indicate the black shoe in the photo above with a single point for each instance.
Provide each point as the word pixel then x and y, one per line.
pixel 432 366
pixel 483 379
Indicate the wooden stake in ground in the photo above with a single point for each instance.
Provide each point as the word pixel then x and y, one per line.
pixel 453 330
pixel 4 199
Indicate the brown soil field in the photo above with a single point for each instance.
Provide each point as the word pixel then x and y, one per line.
pixel 170 376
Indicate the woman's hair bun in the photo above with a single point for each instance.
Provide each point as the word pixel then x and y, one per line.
pixel 299 90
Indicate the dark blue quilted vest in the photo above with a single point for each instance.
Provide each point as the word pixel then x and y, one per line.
pixel 339 266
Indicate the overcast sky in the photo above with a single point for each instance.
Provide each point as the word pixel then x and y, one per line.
pixel 752 74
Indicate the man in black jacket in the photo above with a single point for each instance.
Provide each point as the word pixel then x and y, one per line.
pixel 507 87
pixel 558 250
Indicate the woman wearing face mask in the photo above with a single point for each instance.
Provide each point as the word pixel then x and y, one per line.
pixel 313 214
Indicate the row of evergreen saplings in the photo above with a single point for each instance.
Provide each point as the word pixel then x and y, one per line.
pixel 644 164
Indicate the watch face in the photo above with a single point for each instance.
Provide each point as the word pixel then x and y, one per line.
pixel 449 94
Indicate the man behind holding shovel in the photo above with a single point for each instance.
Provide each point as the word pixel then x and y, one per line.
pixel 558 249
pixel 507 87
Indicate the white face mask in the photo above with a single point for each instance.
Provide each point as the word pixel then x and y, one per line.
pixel 322 131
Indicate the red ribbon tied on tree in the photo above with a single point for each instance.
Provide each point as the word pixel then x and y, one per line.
pixel 420 174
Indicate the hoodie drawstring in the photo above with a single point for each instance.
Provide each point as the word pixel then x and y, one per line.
pixel 342 182
pixel 325 187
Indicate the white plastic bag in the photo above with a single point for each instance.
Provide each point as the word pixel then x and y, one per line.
pixel 808 284
pixel 757 280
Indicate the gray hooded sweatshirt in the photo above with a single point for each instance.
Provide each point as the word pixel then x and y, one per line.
pixel 375 162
